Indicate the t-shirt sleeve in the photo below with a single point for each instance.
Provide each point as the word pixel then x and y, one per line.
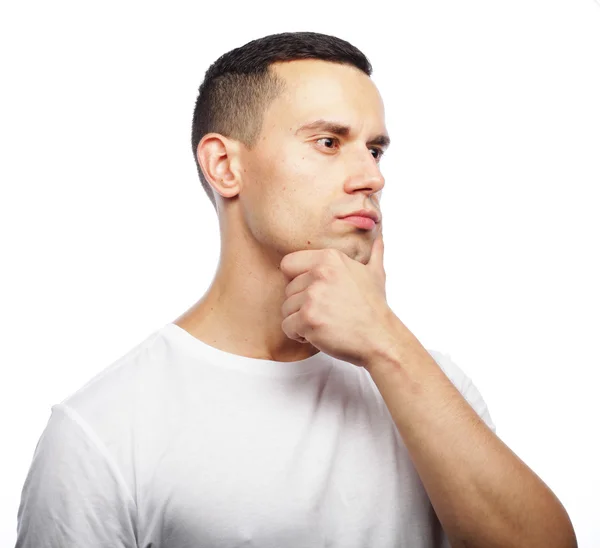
pixel 465 386
pixel 74 495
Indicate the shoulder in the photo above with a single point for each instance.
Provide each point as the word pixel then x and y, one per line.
pixel 117 383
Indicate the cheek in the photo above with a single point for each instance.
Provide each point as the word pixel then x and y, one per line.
pixel 289 198
pixel 287 217
pixel 288 179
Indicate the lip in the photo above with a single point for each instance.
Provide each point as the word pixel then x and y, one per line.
pixel 369 213
pixel 360 221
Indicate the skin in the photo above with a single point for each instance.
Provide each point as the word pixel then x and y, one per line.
pixel 283 196
pixel 277 212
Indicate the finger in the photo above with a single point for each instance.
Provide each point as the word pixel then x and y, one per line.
pixel 293 304
pixel 295 263
pixel 298 284
pixel 377 253
pixel 292 327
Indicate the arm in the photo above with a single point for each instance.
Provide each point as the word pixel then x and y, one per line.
pixel 73 495
pixel 482 493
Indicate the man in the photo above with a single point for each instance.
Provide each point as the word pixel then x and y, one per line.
pixel 289 407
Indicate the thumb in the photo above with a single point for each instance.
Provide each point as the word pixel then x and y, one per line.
pixel 377 251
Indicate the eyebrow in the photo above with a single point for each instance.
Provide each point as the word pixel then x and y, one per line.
pixel 342 131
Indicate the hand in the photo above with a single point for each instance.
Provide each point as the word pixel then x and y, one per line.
pixel 336 303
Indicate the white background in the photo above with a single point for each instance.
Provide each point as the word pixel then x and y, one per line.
pixel 490 205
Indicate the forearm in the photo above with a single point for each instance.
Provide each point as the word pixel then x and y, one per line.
pixel 482 493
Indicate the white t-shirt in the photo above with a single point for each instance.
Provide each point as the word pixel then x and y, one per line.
pixel 178 444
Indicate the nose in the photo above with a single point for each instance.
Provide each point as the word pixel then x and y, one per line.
pixel 367 175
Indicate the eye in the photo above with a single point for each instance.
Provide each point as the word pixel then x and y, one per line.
pixel 332 139
pixel 379 153
pixel 377 156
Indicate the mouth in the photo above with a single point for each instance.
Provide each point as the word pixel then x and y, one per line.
pixel 369 213
pixel 360 221
pixel 363 218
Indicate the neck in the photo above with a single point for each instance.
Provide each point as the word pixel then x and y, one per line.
pixel 241 313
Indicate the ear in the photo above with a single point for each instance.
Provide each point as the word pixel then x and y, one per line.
pixel 219 159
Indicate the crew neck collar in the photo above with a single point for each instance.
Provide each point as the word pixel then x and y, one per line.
pixel 203 351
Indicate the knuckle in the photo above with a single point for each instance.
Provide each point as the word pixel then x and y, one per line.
pixel 312 294
pixel 307 311
pixel 325 271
pixel 321 271
pixel 333 253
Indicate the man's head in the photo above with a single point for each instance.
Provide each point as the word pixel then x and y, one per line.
pixel 270 169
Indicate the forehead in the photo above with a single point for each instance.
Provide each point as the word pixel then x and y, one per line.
pixel 320 89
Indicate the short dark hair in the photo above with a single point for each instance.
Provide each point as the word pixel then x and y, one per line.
pixel 238 86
